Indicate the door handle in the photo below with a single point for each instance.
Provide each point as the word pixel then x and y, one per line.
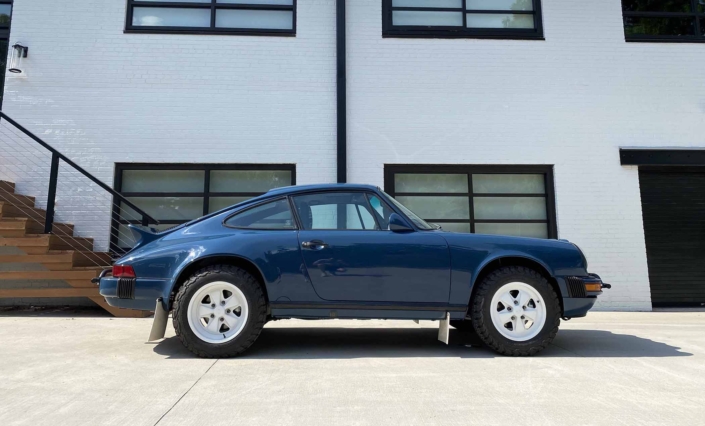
pixel 314 245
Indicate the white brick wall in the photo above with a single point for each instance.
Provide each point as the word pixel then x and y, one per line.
pixel 102 97
pixel 570 100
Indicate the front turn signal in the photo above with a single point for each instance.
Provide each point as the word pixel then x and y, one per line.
pixel 593 287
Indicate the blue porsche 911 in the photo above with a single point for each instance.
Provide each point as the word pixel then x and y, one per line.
pixel 346 251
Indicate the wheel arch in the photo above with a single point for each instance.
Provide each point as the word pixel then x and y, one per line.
pixel 515 260
pixel 221 259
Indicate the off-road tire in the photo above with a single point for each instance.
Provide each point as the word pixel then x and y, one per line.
pixel 256 315
pixel 480 311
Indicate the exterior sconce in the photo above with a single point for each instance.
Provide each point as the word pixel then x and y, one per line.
pixel 19 52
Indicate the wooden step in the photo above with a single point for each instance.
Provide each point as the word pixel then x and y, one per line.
pixel 84 274
pixel 30 244
pixel 10 210
pixel 65 242
pixel 7 186
pixel 19 200
pixel 50 258
pixel 50 292
pixel 92 258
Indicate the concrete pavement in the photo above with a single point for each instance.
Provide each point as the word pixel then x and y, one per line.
pixel 608 368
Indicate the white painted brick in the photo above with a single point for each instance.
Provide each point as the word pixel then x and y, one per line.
pixel 102 97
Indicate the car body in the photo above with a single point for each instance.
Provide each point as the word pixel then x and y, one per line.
pixel 396 268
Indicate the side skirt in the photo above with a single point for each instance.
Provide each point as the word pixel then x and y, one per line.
pixel 358 311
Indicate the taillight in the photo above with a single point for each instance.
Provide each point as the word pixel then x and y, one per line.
pixel 123 271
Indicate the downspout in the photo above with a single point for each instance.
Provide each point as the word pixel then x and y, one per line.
pixel 341 89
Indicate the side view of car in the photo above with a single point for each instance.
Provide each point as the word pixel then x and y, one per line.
pixel 346 251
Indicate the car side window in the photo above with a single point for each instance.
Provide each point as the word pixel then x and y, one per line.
pixel 382 211
pixel 335 211
pixel 274 215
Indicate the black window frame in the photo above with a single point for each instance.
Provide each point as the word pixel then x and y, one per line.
pixel 390 170
pixel 699 37
pixel 389 30
pixel 207 194
pixel 5 37
pixel 213 6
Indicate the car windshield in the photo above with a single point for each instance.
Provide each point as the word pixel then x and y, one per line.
pixel 420 223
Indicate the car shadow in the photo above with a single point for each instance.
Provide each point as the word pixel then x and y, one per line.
pixel 347 343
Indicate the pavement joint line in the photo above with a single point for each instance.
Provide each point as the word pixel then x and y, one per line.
pixel 186 393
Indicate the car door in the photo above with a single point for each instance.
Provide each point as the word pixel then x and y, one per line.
pixel 350 254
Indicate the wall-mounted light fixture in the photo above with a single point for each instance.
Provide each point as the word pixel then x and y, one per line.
pixel 19 52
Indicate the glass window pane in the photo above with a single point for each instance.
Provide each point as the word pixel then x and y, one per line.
pixel 500 4
pixel 382 209
pixel 500 20
pixel 219 203
pixel 437 207
pixel 535 230
pixel 170 17
pixel 163 180
pixel 258 19
pixel 508 184
pixel 274 215
pixel 522 208
pixel 456 227
pixel 656 5
pixel 165 208
pixel 182 1
pixel 321 211
pixel 5 14
pixel 659 26
pixel 411 18
pixel 277 2
pixel 431 183
pixel 367 220
pixel 428 3
pixel 248 180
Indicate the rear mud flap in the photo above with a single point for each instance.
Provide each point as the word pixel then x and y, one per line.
pixel 159 324
pixel 444 328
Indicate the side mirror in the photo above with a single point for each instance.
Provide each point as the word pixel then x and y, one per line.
pixel 398 224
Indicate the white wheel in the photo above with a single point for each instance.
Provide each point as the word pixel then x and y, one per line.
pixel 218 312
pixel 518 311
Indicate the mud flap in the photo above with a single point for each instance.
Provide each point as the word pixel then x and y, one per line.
pixel 159 324
pixel 444 329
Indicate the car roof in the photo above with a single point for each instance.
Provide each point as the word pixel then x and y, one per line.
pixel 287 190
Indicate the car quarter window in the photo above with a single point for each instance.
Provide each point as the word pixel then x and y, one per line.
pixel 274 215
pixel 335 211
pixel 382 210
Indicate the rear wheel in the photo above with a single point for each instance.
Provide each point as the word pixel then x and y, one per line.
pixel 219 312
pixel 516 311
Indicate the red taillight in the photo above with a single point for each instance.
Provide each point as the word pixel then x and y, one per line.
pixel 123 271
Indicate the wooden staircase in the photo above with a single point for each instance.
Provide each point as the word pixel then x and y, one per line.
pixel 61 255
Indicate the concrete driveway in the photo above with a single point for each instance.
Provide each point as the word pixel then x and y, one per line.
pixel 609 368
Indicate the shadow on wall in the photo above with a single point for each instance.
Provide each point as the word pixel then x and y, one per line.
pixel 346 343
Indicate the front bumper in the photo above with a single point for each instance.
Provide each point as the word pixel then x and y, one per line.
pixel 140 293
pixel 582 294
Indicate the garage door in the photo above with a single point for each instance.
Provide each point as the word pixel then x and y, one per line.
pixel 673 203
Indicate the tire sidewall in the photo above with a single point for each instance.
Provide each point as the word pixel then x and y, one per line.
pixel 550 304
pixel 218 349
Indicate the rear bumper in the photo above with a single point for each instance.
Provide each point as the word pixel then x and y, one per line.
pixel 142 295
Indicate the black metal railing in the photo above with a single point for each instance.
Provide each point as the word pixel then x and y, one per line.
pixel 22 160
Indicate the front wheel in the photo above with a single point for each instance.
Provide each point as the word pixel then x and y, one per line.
pixel 516 311
pixel 219 312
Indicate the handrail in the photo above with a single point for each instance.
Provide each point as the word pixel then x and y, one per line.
pixel 54 174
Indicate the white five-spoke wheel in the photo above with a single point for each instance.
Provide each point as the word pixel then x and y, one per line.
pixel 217 312
pixel 518 311
pixel 515 311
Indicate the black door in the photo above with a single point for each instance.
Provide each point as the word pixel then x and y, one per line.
pixel 673 204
